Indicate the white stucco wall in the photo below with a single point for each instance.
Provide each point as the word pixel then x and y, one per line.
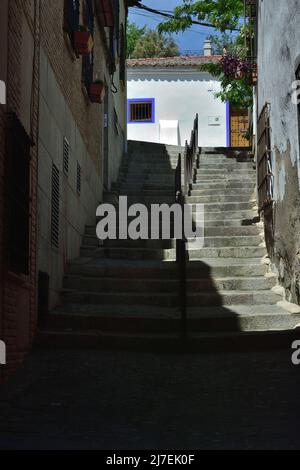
pixel 179 94
pixel 278 59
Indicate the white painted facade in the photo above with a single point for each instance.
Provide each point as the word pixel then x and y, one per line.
pixel 179 94
pixel 278 58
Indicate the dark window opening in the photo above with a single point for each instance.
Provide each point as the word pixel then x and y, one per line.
pixel 55 196
pixel 88 60
pixel 71 17
pixel 18 196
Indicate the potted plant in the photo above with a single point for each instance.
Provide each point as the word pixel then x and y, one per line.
pixel 83 41
pixel 97 91
pixel 254 74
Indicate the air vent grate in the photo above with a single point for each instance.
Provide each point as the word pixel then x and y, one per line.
pixel 55 207
pixel 78 182
pixel 66 157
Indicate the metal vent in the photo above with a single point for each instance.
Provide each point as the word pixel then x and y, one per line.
pixel 66 157
pixel 78 180
pixel 55 207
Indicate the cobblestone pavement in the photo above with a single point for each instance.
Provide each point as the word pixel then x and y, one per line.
pixel 125 400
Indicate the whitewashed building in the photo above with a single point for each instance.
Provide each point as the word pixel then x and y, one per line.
pixel 164 95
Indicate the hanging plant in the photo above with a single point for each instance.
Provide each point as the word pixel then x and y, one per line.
pixel 236 78
pixel 236 68
pixel 83 41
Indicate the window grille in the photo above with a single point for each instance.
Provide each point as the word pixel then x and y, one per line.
pixel 141 111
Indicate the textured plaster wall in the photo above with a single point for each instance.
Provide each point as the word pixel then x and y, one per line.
pixel 278 59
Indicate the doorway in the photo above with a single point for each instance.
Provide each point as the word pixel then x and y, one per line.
pixel 239 125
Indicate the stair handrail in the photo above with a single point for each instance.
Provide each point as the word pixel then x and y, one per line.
pixel 184 177
pixel 190 153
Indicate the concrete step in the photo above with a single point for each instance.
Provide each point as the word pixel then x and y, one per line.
pixel 230 223
pixel 226 164
pixel 123 284
pixel 140 253
pixel 226 252
pixel 126 188
pixel 210 198
pixel 237 297
pixel 231 283
pixel 226 171
pixel 91 239
pixel 243 215
pixel 116 318
pixel 224 178
pixel 231 231
pixel 144 192
pixel 222 206
pixel 224 185
pixel 225 267
pixel 241 318
pixel 244 192
pixel 229 241
pixel 120 298
pixel 91 252
pixel 145 269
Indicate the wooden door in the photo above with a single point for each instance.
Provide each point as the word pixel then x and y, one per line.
pixel 239 125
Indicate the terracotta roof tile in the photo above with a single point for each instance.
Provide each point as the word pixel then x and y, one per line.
pixel 179 61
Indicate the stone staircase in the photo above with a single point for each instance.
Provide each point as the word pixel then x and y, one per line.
pixel 129 290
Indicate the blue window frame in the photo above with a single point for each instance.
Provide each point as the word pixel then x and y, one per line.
pixel 141 111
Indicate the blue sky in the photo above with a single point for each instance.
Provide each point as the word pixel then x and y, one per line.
pixel 192 39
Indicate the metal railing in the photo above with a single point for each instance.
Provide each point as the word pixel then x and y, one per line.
pixel 184 178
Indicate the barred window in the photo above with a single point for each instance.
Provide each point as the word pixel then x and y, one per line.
pixel 141 111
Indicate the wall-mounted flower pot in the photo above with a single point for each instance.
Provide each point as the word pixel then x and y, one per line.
pixel 254 76
pixel 83 42
pixel 97 92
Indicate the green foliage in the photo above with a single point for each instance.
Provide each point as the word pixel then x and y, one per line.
pixel 222 14
pixel 237 92
pixel 224 42
pixel 134 33
pixel 225 16
pixel 143 43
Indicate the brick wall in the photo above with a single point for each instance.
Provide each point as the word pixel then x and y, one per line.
pixel 68 71
pixel 18 292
